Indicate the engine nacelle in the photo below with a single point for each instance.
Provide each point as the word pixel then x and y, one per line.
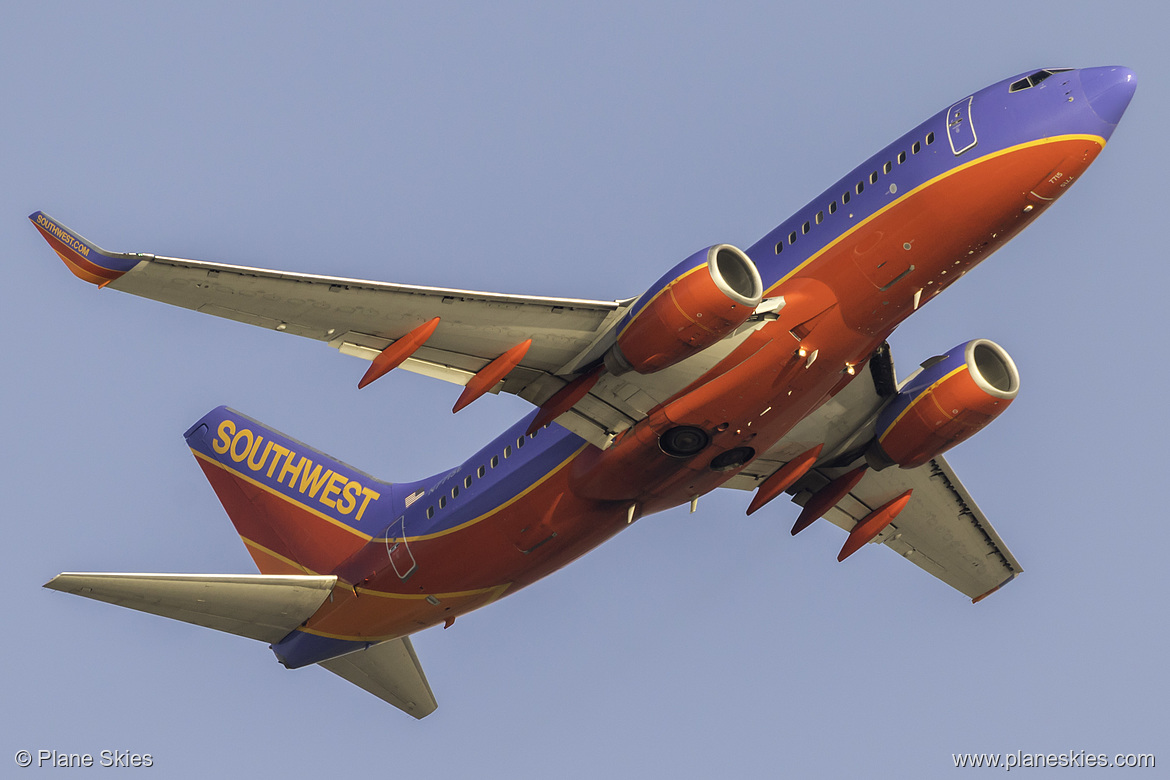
pixel 952 398
pixel 696 304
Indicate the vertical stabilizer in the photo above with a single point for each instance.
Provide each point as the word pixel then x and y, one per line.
pixel 297 510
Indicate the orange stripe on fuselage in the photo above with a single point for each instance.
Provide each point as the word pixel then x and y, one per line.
pixel 305 507
pixel 279 524
pixel 464 567
pixel 495 510
pixel 902 199
pixel 474 566
pixel 271 562
pixel 475 562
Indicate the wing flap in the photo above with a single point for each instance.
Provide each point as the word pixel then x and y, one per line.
pixel 257 606
pixel 391 671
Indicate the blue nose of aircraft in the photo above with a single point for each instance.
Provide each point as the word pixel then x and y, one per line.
pixel 1109 91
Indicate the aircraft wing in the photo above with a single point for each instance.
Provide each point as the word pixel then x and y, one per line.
pixel 360 317
pixel 942 530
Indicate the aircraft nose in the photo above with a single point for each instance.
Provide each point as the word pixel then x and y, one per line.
pixel 1109 90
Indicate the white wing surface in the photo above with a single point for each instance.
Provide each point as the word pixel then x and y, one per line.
pixel 942 530
pixel 259 606
pixel 390 671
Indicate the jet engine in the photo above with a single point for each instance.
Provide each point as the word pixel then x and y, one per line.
pixel 696 304
pixel 953 397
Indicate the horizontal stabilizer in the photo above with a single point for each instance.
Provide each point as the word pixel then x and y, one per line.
pixel 259 606
pixel 390 671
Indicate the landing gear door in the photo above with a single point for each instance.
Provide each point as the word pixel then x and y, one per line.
pixel 960 130
pixel 398 550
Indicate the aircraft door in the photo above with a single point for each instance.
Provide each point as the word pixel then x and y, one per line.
pixel 960 130
pixel 398 550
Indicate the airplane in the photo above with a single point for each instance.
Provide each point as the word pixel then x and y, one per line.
pixel 765 370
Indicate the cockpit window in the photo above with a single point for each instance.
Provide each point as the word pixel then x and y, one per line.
pixel 1035 78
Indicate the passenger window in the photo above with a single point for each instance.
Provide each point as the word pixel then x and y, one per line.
pixel 889 166
pixel 833 207
pixel 495 461
pixel 901 157
pixel 820 217
pixel 508 451
pixel 455 492
pixel 915 148
pixel 929 139
pixel 780 247
pixel 442 501
pixel 860 187
pixel 479 473
pixel 467 482
pixel 873 178
pixel 520 442
pixel 805 228
pixel 792 237
pixel 430 512
pixel 845 199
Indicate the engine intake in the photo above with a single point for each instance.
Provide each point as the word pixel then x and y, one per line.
pixel 952 398
pixel 693 306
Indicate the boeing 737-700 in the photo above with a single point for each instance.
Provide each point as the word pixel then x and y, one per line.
pixel 763 369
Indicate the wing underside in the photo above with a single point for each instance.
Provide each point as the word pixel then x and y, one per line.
pixel 362 318
pixel 942 530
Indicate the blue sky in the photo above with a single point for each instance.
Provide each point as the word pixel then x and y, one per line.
pixel 577 151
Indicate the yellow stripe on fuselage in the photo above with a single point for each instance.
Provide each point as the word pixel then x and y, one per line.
pixel 1010 150
pixel 494 510
pixel 408 539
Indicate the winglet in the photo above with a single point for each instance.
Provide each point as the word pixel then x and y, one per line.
pixel 86 260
